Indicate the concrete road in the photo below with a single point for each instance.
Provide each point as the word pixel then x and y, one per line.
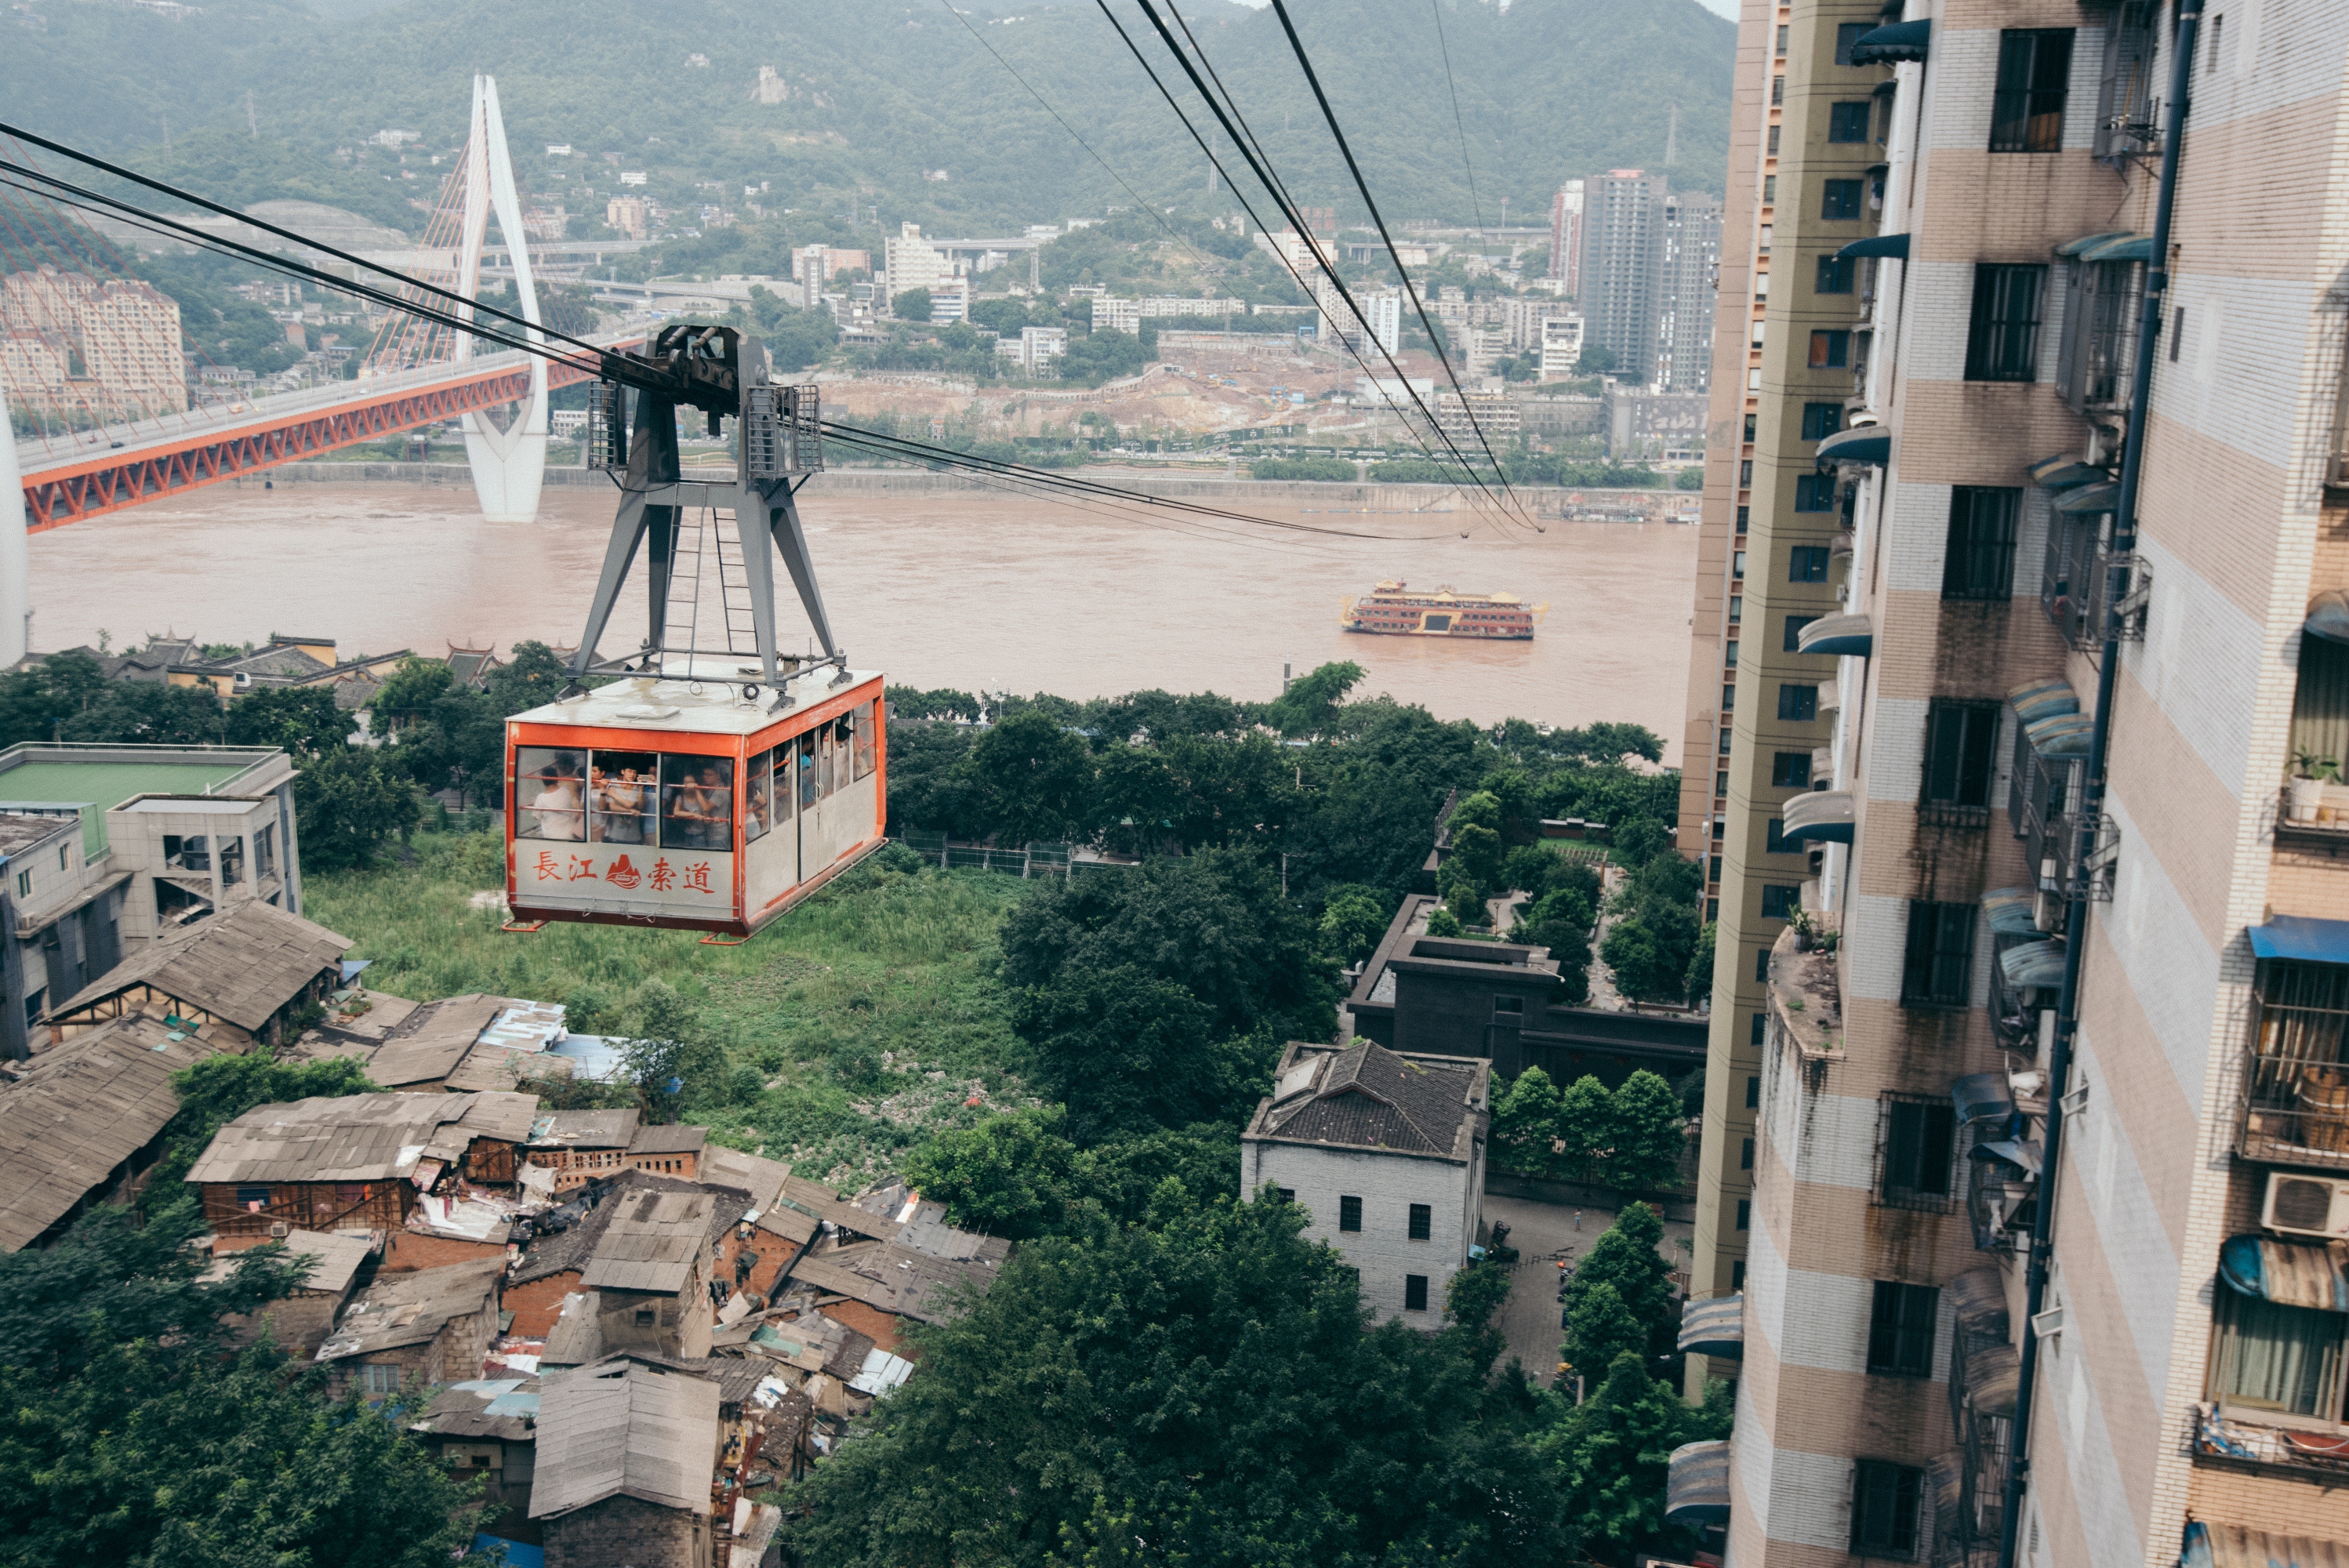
pixel 1544 1233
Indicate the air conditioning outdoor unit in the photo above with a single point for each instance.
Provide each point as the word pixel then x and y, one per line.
pixel 277 1230
pixel 2306 1206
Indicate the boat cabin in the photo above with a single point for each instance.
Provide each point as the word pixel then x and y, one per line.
pixel 695 805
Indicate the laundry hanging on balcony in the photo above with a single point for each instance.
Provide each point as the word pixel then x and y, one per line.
pixel 2288 1274
pixel 2051 719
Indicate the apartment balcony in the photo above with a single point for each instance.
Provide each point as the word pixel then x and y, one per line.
pixel 2293 1098
pixel 2226 1435
pixel 2312 815
pixel 1806 991
pixel 2103 282
pixel 2084 579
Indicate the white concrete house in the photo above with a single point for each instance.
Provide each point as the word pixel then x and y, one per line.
pixel 1385 1149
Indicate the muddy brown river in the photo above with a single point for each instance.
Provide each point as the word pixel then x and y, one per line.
pixel 960 589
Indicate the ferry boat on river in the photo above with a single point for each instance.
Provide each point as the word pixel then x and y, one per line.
pixel 1394 609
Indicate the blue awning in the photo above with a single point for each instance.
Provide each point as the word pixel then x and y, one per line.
pixel 2033 963
pixel 1837 635
pixel 2012 911
pixel 352 968
pixel 2051 719
pixel 1891 44
pixel 1825 815
pixel 2087 242
pixel 2290 1273
pixel 2063 472
pixel 2328 616
pixel 1697 1490
pixel 1860 444
pixel 1886 247
pixel 2301 939
pixel 1714 1327
pixel 2122 248
pixel 2104 496
pixel 1981 1097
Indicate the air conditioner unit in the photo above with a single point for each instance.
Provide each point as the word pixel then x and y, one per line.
pixel 277 1230
pixel 2306 1206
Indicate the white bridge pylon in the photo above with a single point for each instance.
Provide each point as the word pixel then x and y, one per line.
pixel 509 465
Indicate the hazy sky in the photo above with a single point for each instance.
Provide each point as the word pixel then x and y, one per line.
pixel 1718 7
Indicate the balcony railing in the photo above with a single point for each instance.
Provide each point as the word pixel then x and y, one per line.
pixel 2324 826
pixel 2294 1098
pixel 2220 1435
pixel 2100 334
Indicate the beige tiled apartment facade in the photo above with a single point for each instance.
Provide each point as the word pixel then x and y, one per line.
pixel 1877 1098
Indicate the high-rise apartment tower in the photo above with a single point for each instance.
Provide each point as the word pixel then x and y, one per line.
pixel 2024 656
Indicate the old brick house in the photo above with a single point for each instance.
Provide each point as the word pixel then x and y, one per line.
pixel 248 972
pixel 554 1265
pixel 626 1452
pixel 435 1325
pixel 1385 1149
pixel 359 1162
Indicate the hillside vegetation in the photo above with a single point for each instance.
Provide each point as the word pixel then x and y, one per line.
pixel 876 98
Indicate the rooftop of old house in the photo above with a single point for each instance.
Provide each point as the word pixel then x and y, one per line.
pixel 410 1308
pixel 624 1428
pixel 359 1137
pixel 1806 992
pixel 1367 1097
pixel 243 964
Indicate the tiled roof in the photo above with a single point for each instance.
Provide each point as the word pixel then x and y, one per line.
pixel 673 1138
pixel 334 1257
pixel 559 1251
pixel 584 1129
pixel 242 965
pixel 1370 1097
pixel 651 1242
pixel 429 1043
pixel 623 1428
pixel 81 1109
pixel 890 1277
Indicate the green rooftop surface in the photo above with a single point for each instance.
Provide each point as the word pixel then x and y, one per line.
pixel 100 786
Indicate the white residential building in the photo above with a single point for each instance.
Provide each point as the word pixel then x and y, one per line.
pixel 1560 346
pixel 912 262
pixel 1117 314
pixel 1385 1149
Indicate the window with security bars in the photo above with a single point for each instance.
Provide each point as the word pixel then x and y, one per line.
pixel 1349 1213
pixel 1938 969
pixel 1960 752
pixel 1901 1329
pixel 1916 1152
pixel 1414 1293
pixel 1885 1500
pixel 1979 564
pixel 2003 335
pixel 1422 1221
pixel 2034 74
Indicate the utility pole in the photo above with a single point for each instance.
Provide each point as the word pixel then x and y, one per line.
pixel 251 123
pixel 1672 138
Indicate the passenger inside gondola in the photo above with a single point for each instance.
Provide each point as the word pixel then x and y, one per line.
pixel 555 806
pixel 755 812
pixel 620 796
pixel 698 803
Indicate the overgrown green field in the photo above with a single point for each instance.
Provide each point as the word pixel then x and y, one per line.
pixel 852 1028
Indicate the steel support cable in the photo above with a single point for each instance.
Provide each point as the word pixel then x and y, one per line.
pixel 1272 187
pixel 1475 202
pixel 164 227
pixel 2151 308
pixel 1281 9
pixel 156 223
pixel 295 268
pixel 1150 207
pixel 1279 191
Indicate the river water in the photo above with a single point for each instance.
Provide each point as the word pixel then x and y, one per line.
pixel 958 589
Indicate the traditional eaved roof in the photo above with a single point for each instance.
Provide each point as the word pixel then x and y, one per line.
pixel 1368 1097
pixel 242 965
pixel 82 1109
pixel 359 1137
pixel 651 1242
pixel 624 1428
pixel 410 1308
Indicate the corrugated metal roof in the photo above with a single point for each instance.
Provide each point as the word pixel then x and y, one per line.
pixel 890 1277
pixel 430 1042
pixel 242 965
pixel 359 1137
pixel 675 1138
pixel 624 1428
pixel 2212 1545
pixel 334 1257
pixel 584 1129
pixel 81 1109
pixel 410 1308
pixel 651 1242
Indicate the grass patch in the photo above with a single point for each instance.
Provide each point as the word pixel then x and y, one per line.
pixel 852 1028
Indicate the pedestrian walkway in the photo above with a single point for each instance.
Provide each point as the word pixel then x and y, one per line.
pixel 1545 1235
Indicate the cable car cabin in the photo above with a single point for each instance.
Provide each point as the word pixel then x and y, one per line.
pixel 686 805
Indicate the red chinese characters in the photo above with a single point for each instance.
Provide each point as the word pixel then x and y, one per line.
pixel 697 878
pixel 581 867
pixel 546 868
pixel 664 875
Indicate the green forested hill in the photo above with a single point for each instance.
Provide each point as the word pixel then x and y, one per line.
pixel 881 95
